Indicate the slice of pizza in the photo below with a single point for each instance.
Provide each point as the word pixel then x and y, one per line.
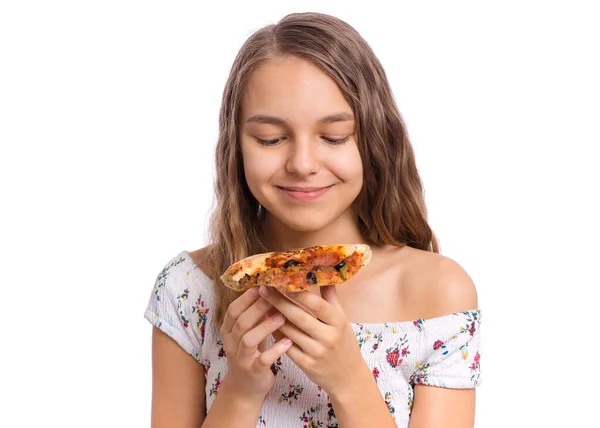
pixel 298 269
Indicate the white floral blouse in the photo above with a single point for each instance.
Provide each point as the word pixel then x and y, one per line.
pixel 443 352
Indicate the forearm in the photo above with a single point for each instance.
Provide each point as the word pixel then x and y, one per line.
pixel 228 410
pixel 361 404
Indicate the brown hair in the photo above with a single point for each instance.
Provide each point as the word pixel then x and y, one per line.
pixel 391 204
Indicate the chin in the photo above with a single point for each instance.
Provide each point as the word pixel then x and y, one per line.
pixel 307 223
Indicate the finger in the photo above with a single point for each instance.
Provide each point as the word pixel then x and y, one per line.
pixel 329 294
pixel 250 318
pixel 267 358
pixel 263 345
pixel 293 312
pixel 249 342
pixel 236 308
pixel 322 309
pixel 298 356
pixel 299 337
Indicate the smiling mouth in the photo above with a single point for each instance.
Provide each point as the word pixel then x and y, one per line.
pixel 304 189
pixel 304 193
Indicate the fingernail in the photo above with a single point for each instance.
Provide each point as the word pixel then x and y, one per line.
pixel 263 291
pixel 286 342
pixel 253 291
pixel 277 319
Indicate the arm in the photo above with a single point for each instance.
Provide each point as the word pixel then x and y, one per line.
pixel 178 395
pixel 453 290
pixel 177 385
pixel 436 407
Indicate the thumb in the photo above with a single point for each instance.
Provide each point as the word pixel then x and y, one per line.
pixel 329 294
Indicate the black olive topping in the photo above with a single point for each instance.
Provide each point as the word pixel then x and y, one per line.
pixel 290 263
pixel 340 265
pixel 311 278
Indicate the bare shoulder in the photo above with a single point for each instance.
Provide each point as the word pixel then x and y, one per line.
pixel 440 284
pixel 199 258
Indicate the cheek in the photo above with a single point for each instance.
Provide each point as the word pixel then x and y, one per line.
pixel 258 168
pixel 348 166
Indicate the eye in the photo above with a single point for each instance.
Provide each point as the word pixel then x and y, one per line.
pixel 335 142
pixel 331 141
pixel 268 142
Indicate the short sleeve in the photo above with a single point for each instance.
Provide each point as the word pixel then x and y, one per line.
pixel 179 304
pixel 453 352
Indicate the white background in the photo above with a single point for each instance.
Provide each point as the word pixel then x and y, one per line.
pixel 108 122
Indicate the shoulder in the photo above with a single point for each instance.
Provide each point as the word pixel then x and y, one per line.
pixel 200 258
pixel 180 276
pixel 440 284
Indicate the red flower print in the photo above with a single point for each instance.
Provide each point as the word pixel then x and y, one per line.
pixel 418 323
pixel 221 349
pixel 375 346
pixel 394 358
pixel 477 358
pixel 437 345
pixel 375 373
pixel 216 385
pixel 472 329
pixel 404 351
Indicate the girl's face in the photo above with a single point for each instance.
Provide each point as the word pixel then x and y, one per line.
pixel 299 148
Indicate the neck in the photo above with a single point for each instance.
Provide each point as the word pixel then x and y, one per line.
pixel 343 230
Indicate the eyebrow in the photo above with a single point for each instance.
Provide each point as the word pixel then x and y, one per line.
pixel 263 118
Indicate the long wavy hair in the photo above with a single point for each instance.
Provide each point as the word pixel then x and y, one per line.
pixel 390 206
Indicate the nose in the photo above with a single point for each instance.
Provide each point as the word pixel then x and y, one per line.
pixel 303 157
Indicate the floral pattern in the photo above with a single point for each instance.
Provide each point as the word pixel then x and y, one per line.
pixel 376 373
pixel 388 402
pixel 475 368
pixel 180 301
pixel 331 419
pixel 309 419
pixel 276 366
pixel 421 373
pixel 221 348
pixel 395 356
pixel 292 394
pixel 202 312
pixel 162 276
pixel 442 351
pixel 216 385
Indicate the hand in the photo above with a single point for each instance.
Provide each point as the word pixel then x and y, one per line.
pixel 245 326
pixel 324 345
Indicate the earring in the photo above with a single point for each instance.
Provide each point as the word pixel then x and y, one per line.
pixel 260 211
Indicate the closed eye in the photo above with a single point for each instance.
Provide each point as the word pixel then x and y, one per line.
pixel 329 140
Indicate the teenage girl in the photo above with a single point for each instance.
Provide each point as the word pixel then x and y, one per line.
pixel 312 150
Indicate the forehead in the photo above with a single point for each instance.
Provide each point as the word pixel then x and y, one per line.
pixel 293 89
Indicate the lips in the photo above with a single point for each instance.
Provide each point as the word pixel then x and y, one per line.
pixel 304 189
pixel 304 193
